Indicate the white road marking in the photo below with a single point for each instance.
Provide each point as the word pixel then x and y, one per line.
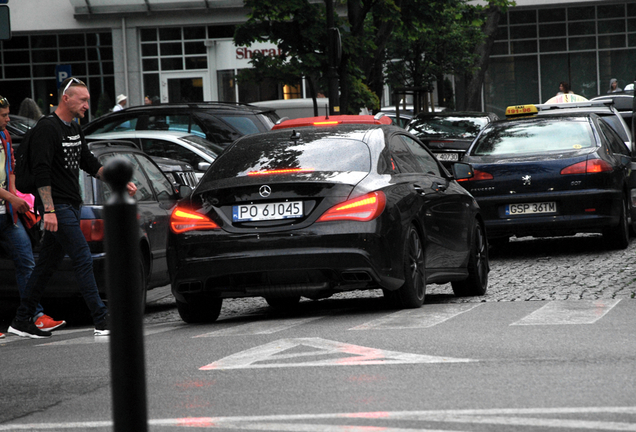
pixel 569 312
pixel 259 327
pixel 427 316
pixel 272 355
pixel 296 422
pixel 151 330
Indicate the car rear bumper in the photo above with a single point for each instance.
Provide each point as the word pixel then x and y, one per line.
pixel 583 211
pixel 281 265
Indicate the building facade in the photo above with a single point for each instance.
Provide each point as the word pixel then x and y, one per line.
pixel 178 50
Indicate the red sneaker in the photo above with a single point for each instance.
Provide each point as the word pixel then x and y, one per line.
pixel 47 323
pixel 1 335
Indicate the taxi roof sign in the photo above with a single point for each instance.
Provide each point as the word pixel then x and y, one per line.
pixel 519 110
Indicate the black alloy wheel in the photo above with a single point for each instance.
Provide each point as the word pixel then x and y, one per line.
pixel 476 283
pixel 411 294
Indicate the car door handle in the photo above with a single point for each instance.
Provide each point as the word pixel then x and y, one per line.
pixel 419 190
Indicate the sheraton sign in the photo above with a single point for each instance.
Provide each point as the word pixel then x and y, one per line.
pixel 246 53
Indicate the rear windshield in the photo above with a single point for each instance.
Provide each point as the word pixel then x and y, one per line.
pixel 449 127
pixel 281 156
pixel 536 137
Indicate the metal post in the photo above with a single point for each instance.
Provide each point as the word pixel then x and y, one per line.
pixel 123 279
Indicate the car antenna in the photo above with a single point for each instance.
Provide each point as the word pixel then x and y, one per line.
pixel 295 135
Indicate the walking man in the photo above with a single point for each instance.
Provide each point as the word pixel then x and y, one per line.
pixel 58 152
pixel 12 231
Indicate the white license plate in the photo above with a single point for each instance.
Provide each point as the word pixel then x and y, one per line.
pixel 269 211
pixel 530 208
pixel 454 157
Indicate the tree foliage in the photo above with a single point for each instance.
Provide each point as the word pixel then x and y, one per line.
pixel 401 42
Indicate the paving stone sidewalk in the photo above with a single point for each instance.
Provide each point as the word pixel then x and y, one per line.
pixel 527 269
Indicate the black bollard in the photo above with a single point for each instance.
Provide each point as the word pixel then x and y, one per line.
pixel 128 376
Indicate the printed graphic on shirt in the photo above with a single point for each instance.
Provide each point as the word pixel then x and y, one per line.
pixel 72 151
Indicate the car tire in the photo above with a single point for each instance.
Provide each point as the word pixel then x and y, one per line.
pixel 199 309
pixel 476 283
pixel 282 303
pixel 411 294
pixel 617 237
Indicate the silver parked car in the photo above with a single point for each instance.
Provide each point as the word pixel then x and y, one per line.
pixel 193 149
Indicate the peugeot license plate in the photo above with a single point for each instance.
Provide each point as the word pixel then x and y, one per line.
pixel 530 208
pixel 269 211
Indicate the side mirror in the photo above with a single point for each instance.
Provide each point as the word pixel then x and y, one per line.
pixel 185 191
pixel 462 171
pixel 203 166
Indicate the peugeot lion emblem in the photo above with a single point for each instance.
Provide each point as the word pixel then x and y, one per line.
pixel 265 191
pixel 526 180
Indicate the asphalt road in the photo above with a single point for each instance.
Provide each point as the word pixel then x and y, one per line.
pixel 550 347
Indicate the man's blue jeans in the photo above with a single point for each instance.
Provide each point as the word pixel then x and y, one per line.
pixel 21 253
pixel 68 239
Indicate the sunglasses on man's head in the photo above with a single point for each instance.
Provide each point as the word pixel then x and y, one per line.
pixel 70 82
pixel 4 103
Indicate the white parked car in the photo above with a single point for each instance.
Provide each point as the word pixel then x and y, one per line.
pixel 184 146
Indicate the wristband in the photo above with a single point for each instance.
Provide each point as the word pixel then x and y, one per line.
pixel 50 211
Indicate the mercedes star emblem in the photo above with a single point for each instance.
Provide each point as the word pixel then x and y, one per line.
pixel 265 191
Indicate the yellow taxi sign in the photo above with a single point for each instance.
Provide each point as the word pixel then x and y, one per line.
pixel 518 110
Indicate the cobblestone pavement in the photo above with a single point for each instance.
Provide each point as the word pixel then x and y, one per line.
pixel 527 269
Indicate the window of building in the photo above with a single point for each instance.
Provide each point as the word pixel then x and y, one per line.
pixel 585 46
pixel 27 67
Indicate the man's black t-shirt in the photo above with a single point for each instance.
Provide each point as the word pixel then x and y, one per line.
pixel 58 152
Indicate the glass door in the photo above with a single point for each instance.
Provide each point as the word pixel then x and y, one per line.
pixel 179 87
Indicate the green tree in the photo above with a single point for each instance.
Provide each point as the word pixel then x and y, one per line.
pixel 488 16
pixel 403 42
pixel 299 29
pixel 432 39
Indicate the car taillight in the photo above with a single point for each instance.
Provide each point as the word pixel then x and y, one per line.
pixel 364 208
pixel 590 166
pixel 182 220
pixel 93 229
pixel 478 175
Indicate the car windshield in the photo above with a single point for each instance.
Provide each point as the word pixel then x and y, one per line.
pixel 270 156
pixel 448 127
pixel 534 137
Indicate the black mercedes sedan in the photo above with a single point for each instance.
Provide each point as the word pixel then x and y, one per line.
pixel 552 176
pixel 313 211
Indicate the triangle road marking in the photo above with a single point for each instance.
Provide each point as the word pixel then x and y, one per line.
pixel 291 353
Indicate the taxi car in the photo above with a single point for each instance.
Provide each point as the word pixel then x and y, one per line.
pixel 551 176
pixel 316 210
